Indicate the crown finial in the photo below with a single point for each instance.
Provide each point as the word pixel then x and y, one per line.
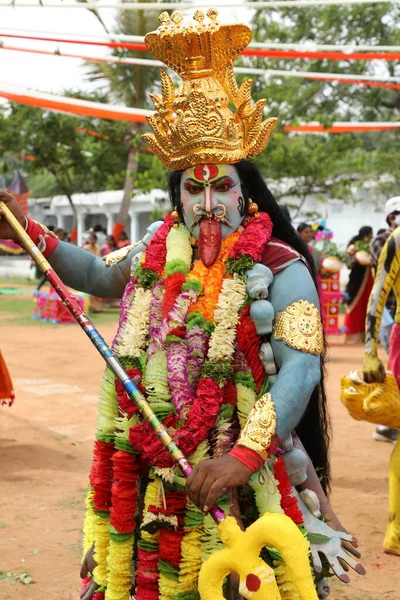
pixel 212 13
pixel 164 18
pixel 177 17
pixel 199 16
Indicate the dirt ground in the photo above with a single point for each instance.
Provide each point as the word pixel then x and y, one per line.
pixel 45 454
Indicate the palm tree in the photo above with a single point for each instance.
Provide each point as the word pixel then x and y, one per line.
pixel 130 85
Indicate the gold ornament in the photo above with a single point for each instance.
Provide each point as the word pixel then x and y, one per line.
pixel 118 255
pixel 175 216
pixel 374 402
pixel 260 427
pixel 194 124
pixel 300 327
pixel 253 208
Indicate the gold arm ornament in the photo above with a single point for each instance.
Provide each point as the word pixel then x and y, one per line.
pixel 260 427
pixel 300 327
pixel 118 255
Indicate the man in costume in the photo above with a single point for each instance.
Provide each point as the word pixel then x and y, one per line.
pixel 392 215
pixel 220 328
pixel 387 279
pixel 377 398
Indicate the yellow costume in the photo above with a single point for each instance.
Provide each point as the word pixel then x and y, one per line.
pixel 377 398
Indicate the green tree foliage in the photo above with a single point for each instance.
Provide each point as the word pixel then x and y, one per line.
pixel 329 164
pixel 66 160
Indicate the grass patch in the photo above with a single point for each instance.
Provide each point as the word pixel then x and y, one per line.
pixel 6 281
pixel 19 311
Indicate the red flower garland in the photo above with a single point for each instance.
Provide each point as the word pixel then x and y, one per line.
pixel 147 575
pixel 124 491
pixel 200 419
pixel 101 475
pixel 169 541
pixel 173 284
pixel 125 403
pixel 288 501
pixel 254 238
pixel 249 343
pixel 99 596
pixel 156 253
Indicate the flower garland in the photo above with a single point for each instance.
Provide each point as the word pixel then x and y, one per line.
pixel 186 337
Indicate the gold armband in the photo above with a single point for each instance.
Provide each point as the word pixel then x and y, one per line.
pixel 118 255
pixel 300 327
pixel 260 427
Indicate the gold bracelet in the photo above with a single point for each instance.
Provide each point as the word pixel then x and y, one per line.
pixel 260 427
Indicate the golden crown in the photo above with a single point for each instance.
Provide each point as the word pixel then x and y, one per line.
pixel 195 125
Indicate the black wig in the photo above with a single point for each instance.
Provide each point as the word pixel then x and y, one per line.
pixel 314 428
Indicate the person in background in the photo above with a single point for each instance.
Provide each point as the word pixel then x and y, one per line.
pixel 123 240
pixel 306 233
pixel 109 246
pixel 101 234
pixel 392 215
pixel 92 246
pixel 359 285
pixel 96 303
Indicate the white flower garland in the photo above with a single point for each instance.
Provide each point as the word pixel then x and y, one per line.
pixel 226 317
pixel 134 335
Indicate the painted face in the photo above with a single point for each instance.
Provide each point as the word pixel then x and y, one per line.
pixel 213 193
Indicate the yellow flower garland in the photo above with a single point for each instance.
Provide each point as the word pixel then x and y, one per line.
pixel 119 565
pixel 101 535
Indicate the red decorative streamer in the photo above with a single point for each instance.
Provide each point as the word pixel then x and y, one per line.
pixel 338 128
pixel 259 52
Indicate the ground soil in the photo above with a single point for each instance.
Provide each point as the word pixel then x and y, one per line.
pixel 45 454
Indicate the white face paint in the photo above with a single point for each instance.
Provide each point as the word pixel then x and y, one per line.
pixel 397 220
pixel 212 190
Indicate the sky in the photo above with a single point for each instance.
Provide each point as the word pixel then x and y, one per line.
pixel 53 73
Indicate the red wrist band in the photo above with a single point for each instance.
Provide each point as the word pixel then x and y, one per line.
pixel 249 458
pixel 44 240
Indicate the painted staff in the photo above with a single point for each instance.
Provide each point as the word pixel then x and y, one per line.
pixel 242 548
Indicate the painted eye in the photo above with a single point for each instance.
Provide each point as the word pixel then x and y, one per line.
pixel 193 189
pixel 223 187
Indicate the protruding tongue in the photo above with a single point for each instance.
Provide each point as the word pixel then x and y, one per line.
pixel 210 239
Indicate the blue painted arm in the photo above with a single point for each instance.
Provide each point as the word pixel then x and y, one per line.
pixel 87 273
pixel 299 372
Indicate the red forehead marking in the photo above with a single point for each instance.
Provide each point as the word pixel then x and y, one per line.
pixel 206 172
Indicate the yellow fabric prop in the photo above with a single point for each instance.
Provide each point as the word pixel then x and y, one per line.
pixel 241 555
pixel 379 403
pixel 374 402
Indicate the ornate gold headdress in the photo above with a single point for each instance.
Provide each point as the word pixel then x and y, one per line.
pixel 195 125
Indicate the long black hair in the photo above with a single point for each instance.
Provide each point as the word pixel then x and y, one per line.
pixel 314 428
